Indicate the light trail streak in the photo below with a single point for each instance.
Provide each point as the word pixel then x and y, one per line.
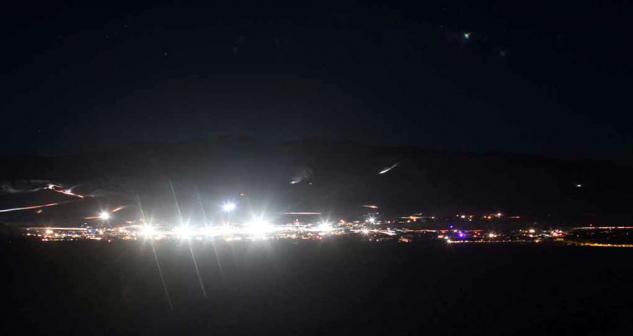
pixel 118 208
pixel 387 169
pixel 57 228
pixel 10 190
pixel 604 228
pixel 449 241
pixel 32 207
pixel 590 244
pixel 69 192
pixel 60 189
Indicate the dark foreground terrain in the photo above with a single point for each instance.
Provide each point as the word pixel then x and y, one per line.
pixel 315 288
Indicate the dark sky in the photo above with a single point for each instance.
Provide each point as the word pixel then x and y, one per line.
pixel 550 77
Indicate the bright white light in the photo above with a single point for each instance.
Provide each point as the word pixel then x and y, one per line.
pixel 365 231
pixel 258 226
pixel 325 227
pixel 531 230
pixel 184 232
pixel 104 215
pixel 228 206
pixel 147 231
pixel 492 235
pixel 578 185
pixel 371 220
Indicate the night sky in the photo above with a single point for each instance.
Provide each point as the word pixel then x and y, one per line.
pixel 545 77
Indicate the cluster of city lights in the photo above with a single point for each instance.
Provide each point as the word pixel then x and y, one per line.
pixel 109 226
pixel 256 228
pixel 259 228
